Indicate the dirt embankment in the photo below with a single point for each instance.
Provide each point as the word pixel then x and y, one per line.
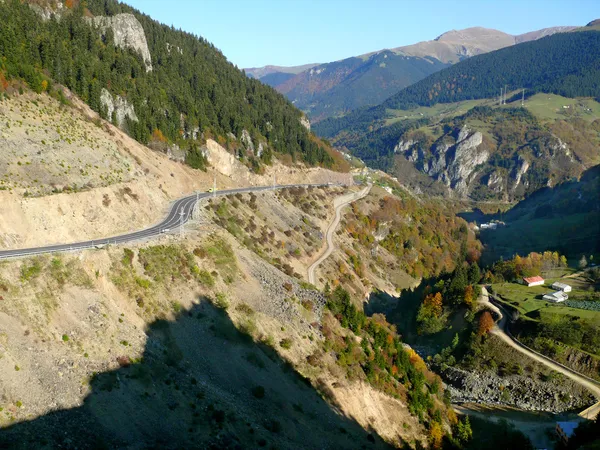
pixel 116 346
pixel 66 175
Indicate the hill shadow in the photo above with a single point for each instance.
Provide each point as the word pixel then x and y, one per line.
pixel 201 383
pixel 563 218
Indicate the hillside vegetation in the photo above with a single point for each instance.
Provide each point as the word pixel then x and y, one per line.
pixel 211 340
pixel 189 91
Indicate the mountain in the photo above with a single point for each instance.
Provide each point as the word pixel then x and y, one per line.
pixel 168 88
pixel 333 89
pixel 500 136
pixel 261 72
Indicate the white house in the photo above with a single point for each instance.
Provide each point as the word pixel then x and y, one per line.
pixel 556 297
pixel 561 287
pixel 533 281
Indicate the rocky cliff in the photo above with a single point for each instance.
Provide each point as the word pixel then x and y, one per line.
pixel 496 157
pixel 128 33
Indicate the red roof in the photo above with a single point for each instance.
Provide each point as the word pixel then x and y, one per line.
pixel 533 279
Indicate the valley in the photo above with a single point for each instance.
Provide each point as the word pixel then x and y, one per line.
pixel 377 252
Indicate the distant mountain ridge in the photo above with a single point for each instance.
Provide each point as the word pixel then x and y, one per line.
pixel 260 72
pixel 335 88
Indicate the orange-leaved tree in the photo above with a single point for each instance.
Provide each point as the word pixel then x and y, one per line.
pixel 486 323
pixel 433 302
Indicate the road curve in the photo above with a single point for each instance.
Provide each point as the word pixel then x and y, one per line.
pixel 180 212
pixel 338 204
pixel 501 331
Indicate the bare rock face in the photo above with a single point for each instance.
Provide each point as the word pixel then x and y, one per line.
pixel 117 106
pixel 128 33
pixel 451 161
pixel 246 140
pixel 467 157
pixel 495 182
pixel 46 12
pixel 305 122
pixel 521 170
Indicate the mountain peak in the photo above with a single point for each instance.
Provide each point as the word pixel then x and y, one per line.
pixel 468 35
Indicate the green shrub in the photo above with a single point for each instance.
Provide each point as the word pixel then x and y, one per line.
pixel 221 301
pixel 65 338
pixel 31 271
pixel 205 278
pixel 286 343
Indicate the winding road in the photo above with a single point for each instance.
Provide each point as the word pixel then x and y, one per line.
pixel 501 331
pixel 338 204
pixel 180 212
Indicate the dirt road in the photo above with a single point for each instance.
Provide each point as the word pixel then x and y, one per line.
pixel 500 331
pixel 338 204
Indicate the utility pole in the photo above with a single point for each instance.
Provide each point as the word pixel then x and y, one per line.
pixel 181 222
pixel 501 97
pixel 523 97
pixel 215 186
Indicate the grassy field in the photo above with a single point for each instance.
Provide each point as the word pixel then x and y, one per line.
pixel 441 110
pixel 544 106
pixel 528 300
pixel 551 107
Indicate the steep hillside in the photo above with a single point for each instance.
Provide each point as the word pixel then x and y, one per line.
pixel 205 341
pixel 334 89
pixel 500 154
pixel 67 175
pixel 165 87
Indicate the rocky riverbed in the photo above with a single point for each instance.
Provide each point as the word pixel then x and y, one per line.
pixel 520 391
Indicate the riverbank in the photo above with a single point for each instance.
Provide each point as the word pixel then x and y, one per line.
pixel 537 426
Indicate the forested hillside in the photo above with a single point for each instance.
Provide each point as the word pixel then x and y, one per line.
pixel 565 64
pixel 336 88
pixel 192 90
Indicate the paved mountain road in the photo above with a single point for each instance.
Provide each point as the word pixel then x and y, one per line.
pixel 338 204
pixel 180 212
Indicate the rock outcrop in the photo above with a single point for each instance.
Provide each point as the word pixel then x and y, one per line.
pixel 305 122
pixel 128 33
pixel 46 12
pixel 499 156
pixel 117 108
pixel 452 161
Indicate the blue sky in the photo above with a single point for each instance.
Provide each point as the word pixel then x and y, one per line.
pixel 254 33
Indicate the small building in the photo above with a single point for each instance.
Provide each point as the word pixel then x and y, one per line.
pixel 556 297
pixel 561 287
pixel 565 431
pixel 533 281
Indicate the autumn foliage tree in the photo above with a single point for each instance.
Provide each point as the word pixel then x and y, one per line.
pixel 430 316
pixel 486 323
pixel 470 296
pixel 436 435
